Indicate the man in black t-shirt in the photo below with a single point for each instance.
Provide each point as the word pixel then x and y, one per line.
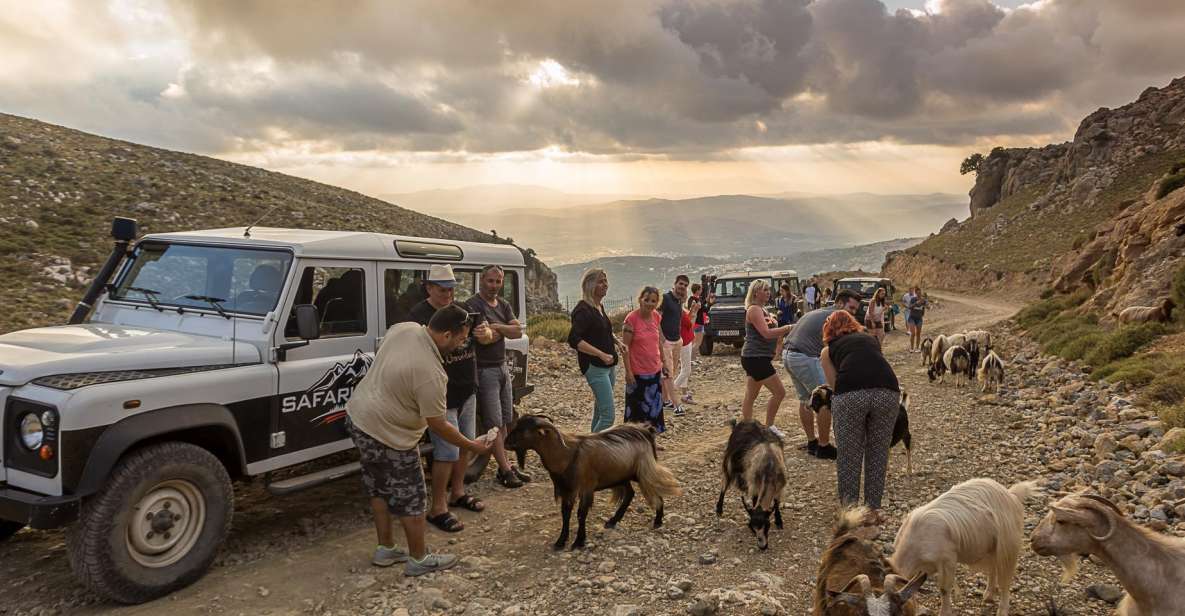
pixel 448 461
pixel 495 393
pixel 671 311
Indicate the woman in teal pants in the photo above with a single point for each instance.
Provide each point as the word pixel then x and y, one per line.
pixel 596 346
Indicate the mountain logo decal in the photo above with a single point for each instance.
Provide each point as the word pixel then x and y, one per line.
pixel 331 392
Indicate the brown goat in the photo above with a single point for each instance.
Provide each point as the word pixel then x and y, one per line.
pixel 854 579
pixel 582 464
pixel 1147 314
pixel 1150 566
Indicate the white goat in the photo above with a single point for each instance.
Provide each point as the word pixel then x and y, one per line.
pixel 979 523
pixel 941 344
pixel 991 372
pixel 1150 566
pixel 984 338
pixel 956 340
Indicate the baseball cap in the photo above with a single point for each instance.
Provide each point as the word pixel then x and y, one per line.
pixel 442 275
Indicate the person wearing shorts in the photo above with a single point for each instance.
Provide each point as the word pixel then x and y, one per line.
pixel 449 463
pixel 401 395
pixel 757 355
pixel 800 357
pixel 495 394
pixel 915 308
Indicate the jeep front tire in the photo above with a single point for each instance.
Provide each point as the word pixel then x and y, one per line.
pixel 8 529
pixel 156 525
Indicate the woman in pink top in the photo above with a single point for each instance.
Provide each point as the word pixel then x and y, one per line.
pixel 644 370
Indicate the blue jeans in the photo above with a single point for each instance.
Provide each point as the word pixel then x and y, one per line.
pixel 602 380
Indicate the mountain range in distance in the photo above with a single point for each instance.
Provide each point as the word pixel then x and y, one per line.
pixel 629 273
pixel 562 229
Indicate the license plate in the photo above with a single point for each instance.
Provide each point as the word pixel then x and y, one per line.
pixel 728 332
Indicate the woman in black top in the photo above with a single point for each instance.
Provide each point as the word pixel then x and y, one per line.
pixel 863 408
pixel 596 346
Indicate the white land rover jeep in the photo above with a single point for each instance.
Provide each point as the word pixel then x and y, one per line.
pixel 208 356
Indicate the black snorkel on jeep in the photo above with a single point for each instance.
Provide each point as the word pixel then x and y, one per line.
pixel 123 230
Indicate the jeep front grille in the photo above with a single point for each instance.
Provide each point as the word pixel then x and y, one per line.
pixel 727 319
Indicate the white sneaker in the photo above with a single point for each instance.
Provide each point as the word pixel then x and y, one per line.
pixel 430 564
pixel 385 556
pixel 777 432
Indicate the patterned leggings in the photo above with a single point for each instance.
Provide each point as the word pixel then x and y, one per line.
pixel 863 421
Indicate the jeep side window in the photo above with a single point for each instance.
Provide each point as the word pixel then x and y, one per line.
pixel 468 286
pixel 402 290
pixel 339 293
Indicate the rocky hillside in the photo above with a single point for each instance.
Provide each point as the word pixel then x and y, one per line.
pixel 59 189
pixel 1098 211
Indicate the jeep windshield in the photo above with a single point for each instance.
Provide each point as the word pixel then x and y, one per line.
pixel 864 287
pixel 191 276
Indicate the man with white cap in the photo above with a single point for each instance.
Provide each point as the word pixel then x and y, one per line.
pixel 449 461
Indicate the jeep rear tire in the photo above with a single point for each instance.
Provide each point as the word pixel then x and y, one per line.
pixel 8 529
pixel 156 525
pixel 705 347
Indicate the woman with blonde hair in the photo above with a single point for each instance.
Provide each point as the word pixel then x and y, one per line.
pixel 757 354
pixel 596 347
pixel 864 403
pixel 644 369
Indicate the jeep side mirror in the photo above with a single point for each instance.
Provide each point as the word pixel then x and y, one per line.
pixel 123 229
pixel 308 322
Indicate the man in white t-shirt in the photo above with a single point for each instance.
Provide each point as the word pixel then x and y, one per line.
pixel 811 296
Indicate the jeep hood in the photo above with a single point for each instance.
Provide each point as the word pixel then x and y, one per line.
pixel 69 349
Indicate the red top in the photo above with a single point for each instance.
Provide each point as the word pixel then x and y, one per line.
pixel 685 330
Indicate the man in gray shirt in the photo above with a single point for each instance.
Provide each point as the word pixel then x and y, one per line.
pixel 803 346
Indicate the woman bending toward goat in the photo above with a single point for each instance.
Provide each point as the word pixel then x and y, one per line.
pixel 863 409
pixel 758 353
pixel 644 369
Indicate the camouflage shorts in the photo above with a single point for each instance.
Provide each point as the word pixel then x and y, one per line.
pixel 392 475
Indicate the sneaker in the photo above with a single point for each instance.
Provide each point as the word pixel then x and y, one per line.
pixel 523 477
pixel 385 556
pixel 777 432
pixel 811 446
pixel 668 406
pixel 826 452
pixel 679 412
pixel 430 564
pixel 688 400
pixel 508 479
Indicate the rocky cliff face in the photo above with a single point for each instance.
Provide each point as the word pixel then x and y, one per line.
pixel 1082 212
pixel 60 188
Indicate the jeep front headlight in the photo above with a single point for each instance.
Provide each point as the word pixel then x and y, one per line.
pixel 32 431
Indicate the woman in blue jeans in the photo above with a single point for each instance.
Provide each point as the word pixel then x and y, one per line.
pixel 596 346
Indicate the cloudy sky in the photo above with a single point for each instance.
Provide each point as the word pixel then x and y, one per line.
pixel 605 96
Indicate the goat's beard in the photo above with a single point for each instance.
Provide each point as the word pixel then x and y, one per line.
pixel 1070 564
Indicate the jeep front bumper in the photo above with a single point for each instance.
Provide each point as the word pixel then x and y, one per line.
pixel 35 510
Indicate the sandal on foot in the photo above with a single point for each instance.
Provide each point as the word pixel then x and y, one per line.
pixel 446 522
pixel 469 502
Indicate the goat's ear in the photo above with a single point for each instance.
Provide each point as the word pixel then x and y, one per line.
pixel 1095 519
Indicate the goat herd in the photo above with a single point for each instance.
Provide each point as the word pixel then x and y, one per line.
pixel 960 355
pixel 978 523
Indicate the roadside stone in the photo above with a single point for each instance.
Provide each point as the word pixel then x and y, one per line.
pixel 1173 441
pixel 702 607
pixel 708 558
pixel 675 592
pixel 1105 445
pixel 627 610
pixel 607 566
pixel 1105 592
pixel 365 581
pixel 1175 468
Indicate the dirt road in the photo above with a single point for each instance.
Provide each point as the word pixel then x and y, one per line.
pixel 309 553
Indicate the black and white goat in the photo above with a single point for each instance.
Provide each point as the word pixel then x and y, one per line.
pixel 581 465
pixel 955 360
pixel 755 462
pixel 973 351
pixel 991 372
pixel 821 398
